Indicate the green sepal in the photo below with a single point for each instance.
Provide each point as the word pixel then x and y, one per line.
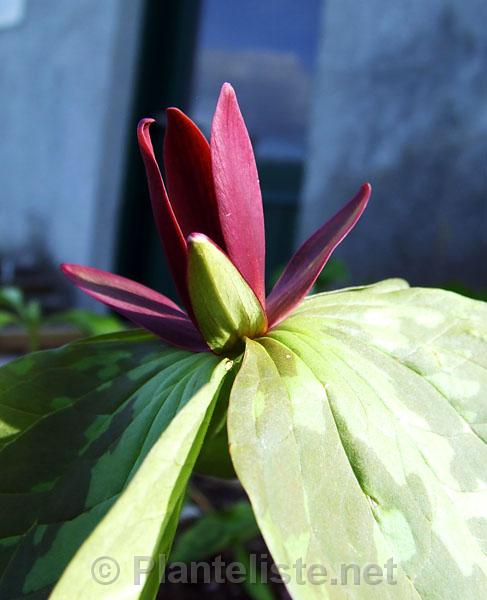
pixel 224 305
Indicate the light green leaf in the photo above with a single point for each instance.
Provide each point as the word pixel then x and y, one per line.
pixel 76 426
pixel 225 306
pixel 358 429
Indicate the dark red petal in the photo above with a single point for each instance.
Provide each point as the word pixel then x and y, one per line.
pixel 307 263
pixel 140 304
pixel 187 162
pixel 238 191
pixel 169 231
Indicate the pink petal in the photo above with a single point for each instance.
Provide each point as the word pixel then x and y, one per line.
pixel 169 231
pixel 238 191
pixel 187 162
pixel 140 304
pixel 307 263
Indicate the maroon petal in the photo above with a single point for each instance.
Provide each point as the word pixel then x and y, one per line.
pixel 238 191
pixel 307 263
pixel 169 231
pixel 187 163
pixel 140 304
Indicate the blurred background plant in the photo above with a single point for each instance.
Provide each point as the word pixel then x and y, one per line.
pixel 15 310
pixel 227 530
pixel 23 327
pixel 334 275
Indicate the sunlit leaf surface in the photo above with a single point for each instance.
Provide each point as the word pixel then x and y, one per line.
pixel 358 430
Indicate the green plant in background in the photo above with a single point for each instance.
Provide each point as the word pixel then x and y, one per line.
pixel 465 290
pixel 336 273
pixel 354 419
pixel 216 531
pixel 224 530
pixel 16 310
pixel 88 322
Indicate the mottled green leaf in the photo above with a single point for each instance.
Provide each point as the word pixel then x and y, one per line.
pixel 225 306
pixel 358 429
pixel 133 532
pixel 77 426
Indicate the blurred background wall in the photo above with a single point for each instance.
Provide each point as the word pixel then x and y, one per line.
pixel 334 92
pixel 66 85
pixel 400 99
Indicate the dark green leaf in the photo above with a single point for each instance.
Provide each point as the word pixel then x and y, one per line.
pixel 255 587
pixel 78 427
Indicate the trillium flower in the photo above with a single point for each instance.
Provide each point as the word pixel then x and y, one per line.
pixel 210 221
pixel 356 423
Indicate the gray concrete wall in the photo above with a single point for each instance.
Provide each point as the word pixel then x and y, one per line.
pixel 400 100
pixel 65 87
